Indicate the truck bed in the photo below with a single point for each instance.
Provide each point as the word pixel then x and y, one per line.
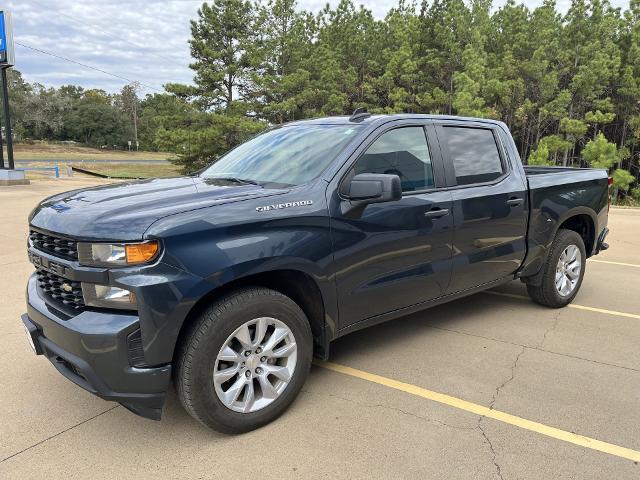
pixel 540 177
pixel 556 192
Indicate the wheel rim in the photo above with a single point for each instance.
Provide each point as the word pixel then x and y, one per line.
pixel 568 270
pixel 255 365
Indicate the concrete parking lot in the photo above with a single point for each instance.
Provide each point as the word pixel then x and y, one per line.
pixel 492 386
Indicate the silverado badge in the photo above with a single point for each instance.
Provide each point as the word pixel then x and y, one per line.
pixel 300 203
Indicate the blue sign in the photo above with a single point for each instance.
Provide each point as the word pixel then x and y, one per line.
pixel 6 40
pixel 3 35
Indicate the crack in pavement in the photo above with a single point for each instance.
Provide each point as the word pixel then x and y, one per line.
pixel 491 405
pixel 57 434
pixel 427 419
pixel 513 372
pixel 534 347
pixel 556 320
pixel 493 451
pixel 389 407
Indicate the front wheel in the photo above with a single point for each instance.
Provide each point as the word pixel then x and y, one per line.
pixel 563 271
pixel 244 360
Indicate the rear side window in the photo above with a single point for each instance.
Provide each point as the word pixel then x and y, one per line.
pixel 474 154
pixel 403 152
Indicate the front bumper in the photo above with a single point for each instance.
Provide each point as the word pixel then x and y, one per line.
pixel 91 350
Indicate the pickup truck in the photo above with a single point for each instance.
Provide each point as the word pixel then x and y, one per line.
pixel 229 281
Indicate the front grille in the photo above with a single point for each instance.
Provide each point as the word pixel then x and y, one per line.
pixel 60 289
pixel 58 246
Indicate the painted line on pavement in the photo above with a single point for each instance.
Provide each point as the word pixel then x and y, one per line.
pixel 571 305
pixel 635 265
pixel 507 418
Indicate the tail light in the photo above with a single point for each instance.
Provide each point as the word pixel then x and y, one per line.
pixel 609 183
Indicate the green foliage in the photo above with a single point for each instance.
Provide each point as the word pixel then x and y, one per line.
pixel 567 85
pixel 540 156
pixel 555 143
pixel 622 179
pixel 161 112
pixel 600 153
pixel 206 137
pixel 573 128
pixel 599 117
pixel 221 49
pixel 93 121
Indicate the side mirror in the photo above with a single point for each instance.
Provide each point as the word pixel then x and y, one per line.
pixel 368 188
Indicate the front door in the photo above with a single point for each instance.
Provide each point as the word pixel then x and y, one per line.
pixel 396 254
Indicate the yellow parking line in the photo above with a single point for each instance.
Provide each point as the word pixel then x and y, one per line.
pixel 571 305
pixel 602 310
pixel 460 404
pixel 615 263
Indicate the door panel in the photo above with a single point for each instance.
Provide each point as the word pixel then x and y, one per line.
pixel 392 255
pixel 489 232
pixel 489 237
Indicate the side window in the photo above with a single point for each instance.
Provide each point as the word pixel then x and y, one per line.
pixel 403 152
pixel 474 154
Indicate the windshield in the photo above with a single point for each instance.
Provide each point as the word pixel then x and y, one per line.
pixel 288 155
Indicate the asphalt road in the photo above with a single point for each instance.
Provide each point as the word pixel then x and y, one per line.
pixel 488 387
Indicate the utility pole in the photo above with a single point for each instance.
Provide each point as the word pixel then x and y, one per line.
pixel 135 120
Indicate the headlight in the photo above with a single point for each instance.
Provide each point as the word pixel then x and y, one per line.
pixel 105 296
pixel 118 254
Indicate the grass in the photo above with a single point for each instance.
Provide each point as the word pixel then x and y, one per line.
pixel 113 170
pixel 76 152
pixel 627 202
pixel 131 170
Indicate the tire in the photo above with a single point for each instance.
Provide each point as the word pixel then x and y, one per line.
pixel 198 358
pixel 547 293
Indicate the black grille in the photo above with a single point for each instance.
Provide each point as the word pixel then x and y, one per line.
pixel 58 246
pixel 60 289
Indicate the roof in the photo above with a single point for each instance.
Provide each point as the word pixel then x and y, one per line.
pixel 338 120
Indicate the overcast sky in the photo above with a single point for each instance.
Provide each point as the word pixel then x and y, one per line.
pixel 143 40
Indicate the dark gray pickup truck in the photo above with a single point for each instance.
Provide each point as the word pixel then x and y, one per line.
pixel 229 281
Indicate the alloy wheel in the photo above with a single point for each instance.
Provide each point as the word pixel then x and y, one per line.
pixel 255 365
pixel 568 270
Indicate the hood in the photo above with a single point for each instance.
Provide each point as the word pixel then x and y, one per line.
pixel 124 211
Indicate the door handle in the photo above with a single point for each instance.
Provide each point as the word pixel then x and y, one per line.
pixel 514 202
pixel 437 213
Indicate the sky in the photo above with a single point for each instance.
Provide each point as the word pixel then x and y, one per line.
pixel 135 40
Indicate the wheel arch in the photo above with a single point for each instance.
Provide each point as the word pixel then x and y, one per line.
pixel 296 284
pixel 582 222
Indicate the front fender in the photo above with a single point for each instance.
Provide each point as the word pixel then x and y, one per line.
pixel 224 244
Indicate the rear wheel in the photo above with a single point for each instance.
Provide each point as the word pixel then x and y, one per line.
pixel 563 271
pixel 244 361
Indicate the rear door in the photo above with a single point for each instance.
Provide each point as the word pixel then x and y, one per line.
pixel 396 254
pixel 489 200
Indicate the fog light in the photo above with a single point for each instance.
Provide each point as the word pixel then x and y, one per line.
pixel 105 296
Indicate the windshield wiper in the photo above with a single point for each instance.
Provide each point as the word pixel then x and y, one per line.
pixel 243 181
